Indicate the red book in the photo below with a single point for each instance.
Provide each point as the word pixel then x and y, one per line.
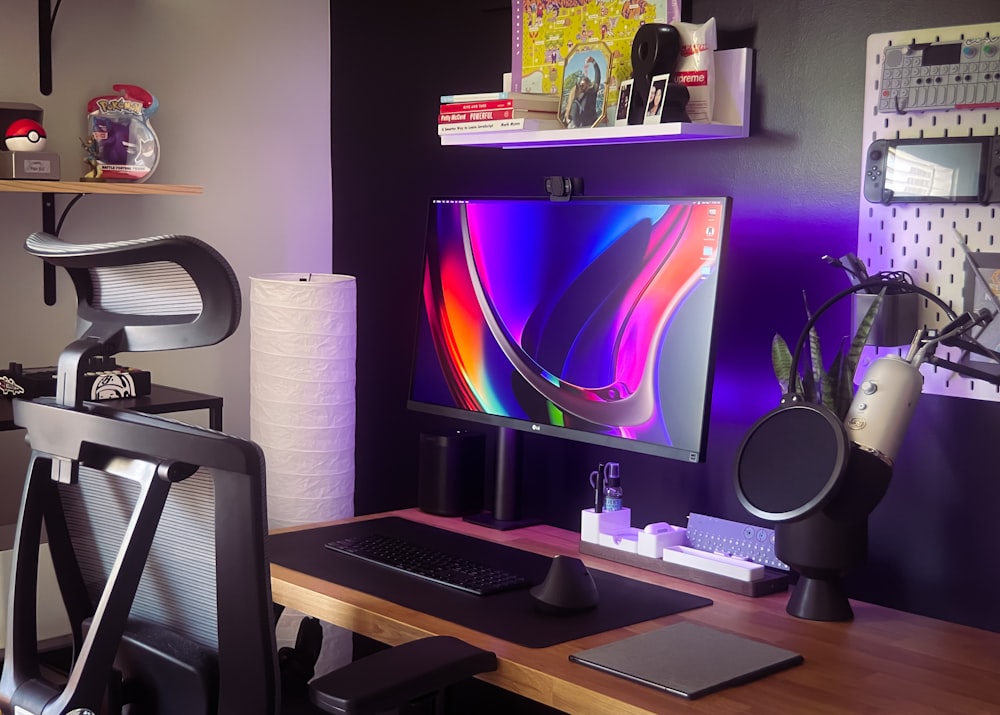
pixel 475 106
pixel 499 100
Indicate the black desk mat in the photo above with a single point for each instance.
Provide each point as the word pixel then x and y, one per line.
pixel 511 616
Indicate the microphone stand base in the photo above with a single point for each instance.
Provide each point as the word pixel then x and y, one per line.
pixel 820 599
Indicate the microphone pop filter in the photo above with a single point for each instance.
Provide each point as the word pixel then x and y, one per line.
pixel 791 462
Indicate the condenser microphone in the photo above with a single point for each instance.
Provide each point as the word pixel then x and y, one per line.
pixel 883 406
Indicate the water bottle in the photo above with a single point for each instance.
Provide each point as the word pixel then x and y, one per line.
pixel 612 487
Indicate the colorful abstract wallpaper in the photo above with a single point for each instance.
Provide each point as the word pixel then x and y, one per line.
pixel 591 319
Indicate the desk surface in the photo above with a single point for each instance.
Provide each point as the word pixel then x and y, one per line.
pixel 883 661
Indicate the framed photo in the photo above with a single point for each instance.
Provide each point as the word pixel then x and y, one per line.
pixel 624 100
pixel 657 93
pixel 585 85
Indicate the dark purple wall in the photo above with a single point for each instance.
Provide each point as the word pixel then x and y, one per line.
pixel 795 184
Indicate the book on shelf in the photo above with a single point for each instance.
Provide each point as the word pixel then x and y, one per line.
pixel 485 115
pixel 500 125
pixel 476 106
pixel 517 100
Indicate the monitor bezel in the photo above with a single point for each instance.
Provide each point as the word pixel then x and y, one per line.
pixel 569 433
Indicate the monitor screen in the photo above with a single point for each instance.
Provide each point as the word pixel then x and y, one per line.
pixel 589 319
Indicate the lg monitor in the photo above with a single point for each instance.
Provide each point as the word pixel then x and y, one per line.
pixel 590 319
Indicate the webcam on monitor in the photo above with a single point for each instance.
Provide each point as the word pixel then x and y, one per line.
pixel 562 188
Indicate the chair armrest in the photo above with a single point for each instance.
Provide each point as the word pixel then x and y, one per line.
pixel 394 676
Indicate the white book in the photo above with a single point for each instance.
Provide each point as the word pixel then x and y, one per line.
pixel 500 125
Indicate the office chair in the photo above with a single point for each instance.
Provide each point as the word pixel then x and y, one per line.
pixel 158 530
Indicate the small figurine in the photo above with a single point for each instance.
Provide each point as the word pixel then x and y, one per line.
pixel 25 135
pixel 121 144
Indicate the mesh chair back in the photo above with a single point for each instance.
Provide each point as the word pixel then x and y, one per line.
pixel 158 535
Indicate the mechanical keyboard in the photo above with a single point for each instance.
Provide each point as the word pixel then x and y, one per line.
pixel 429 564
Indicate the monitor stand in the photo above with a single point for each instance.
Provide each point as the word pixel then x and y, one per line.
pixel 506 514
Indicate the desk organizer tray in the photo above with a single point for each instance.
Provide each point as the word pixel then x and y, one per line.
pixel 774 580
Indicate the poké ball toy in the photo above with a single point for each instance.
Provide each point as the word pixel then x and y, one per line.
pixel 25 135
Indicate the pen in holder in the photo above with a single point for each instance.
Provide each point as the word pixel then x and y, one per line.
pixel 606 481
pixel 597 482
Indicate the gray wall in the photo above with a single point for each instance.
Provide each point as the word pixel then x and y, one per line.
pixel 244 91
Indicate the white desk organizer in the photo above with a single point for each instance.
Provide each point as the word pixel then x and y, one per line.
pixel 664 548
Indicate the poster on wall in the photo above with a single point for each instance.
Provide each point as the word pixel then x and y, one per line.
pixel 543 34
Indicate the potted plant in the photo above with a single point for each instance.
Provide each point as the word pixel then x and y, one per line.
pixel 831 386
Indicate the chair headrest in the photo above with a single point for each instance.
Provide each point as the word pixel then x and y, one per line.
pixel 145 294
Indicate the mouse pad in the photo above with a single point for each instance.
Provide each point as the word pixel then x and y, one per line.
pixel 688 659
pixel 511 616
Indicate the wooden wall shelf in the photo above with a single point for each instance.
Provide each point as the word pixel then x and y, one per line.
pixel 733 70
pixel 95 187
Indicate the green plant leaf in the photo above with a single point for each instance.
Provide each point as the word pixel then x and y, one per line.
pixel 817 377
pixel 811 390
pixel 816 361
pixel 841 388
pixel 781 361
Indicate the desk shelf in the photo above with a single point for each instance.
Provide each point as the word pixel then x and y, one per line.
pixel 96 187
pixel 733 69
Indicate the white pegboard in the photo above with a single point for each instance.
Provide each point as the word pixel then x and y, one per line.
pixel 920 238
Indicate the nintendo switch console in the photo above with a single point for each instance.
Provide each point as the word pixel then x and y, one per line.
pixel 933 170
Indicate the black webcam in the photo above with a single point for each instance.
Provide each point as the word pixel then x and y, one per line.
pixel 561 188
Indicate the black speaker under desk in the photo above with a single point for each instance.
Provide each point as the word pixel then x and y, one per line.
pixel 451 473
pixel 511 616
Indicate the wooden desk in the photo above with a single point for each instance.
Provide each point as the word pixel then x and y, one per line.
pixel 883 661
pixel 160 400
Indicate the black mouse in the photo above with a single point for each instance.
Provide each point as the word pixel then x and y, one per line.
pixel 567 588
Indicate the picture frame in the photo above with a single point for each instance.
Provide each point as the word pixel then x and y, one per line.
pixel 624 102
pixel 653 112
pixel 584 91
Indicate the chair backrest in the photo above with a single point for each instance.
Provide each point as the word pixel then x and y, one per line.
pixel 144 294
pixel 156 528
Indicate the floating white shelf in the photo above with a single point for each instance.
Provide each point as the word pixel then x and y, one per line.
pixel 733 74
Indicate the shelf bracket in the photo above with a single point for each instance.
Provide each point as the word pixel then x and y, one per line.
pixel 45 21
pixel 49 226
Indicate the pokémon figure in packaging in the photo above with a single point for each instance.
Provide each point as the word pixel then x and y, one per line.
pixel 121 144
